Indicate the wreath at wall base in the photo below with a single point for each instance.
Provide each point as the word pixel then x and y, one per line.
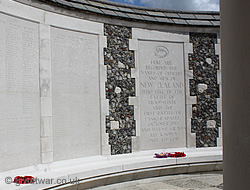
pixel 171 155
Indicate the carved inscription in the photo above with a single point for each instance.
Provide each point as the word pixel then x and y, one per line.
pixel 162 95
pixel 19 93
pixel 75 94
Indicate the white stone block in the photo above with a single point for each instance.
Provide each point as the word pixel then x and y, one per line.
pixel 47 157
pixel 133 44
pixel 143 34
pixel 186 62
pixel 105 137
pixel 46 106
pixel 188 48
pixel 136 60
pixel 201 167
pixel 45 75
pixel 45 49
pixel 219 142
pixel 103 73
pixel 191 139
pixel 137 115
pixel 25 111
pixel 106 150
pixel 22 11
pixel 134 73
pixel 217 49
pixel 45 69
pixel 189 75
pixel 146 174
pixel 189 111
pixel 137 121
pixel 171 170
pixel 102 90
pixel 135 144
pixel 101 57
pixel 220 132
pixel 19 91
pixel 75 24
pixel 46 144
pixel 133 101
pixel 114 125
pixel 219 166
pixel 46 127
pixel 202 87
pixel 44 31
pixel 211 124
pixel 162 95
pixel 113 168
pixel 155 163
pixel 219 77
pixel 191 99
pixel 71 186
pixel 45 89
pixel 102 41
pixel 219 104
pixel 219 41
pixel 105 106
pixel 75 93
pixel 204 156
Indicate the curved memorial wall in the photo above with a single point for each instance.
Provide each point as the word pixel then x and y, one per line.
pixel 92 88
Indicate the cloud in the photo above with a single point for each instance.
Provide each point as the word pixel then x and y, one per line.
pixel 192 5
pixel 129 1
pixel 207 4
pixel 126 1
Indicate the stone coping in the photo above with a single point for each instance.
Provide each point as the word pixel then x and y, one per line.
pixel 140 14
pixel 102 170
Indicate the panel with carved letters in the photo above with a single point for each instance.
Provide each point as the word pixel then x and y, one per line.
pixel 19 93
pixel 75 94
pixel 162 95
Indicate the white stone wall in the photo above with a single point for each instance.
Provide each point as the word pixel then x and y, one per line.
pixel 181 129
pixel 56 107
pixel 30 125
pixel 19 93
pixel 219 100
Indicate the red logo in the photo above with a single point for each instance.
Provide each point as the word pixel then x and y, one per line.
pixel 24 179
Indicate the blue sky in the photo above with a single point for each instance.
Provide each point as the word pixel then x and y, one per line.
pixel 190 5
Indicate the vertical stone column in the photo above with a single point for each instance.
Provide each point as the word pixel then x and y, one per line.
pixel 235 39
pixel 106 149
pixel 204 62
pixel 219 82
pixel 119 60
pixel 46 95
pixel 134 101
pixel 190 100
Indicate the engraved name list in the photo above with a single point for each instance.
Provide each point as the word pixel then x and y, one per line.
pixel 162 95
